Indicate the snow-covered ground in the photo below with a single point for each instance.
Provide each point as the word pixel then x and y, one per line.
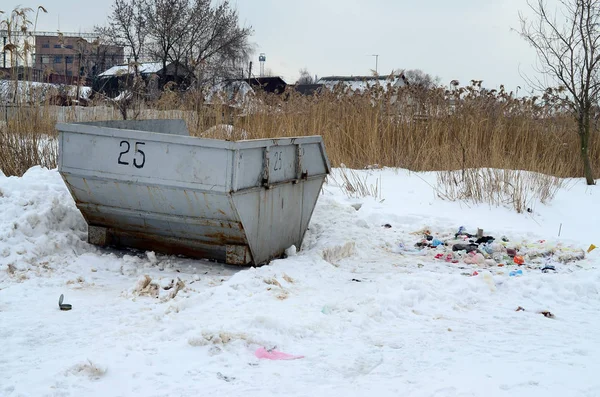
pixel 368 316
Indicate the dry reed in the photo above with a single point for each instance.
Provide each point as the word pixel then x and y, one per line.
pixel 520 190
pixel 408 128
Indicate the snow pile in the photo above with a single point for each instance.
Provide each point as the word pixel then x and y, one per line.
pixel 39 91
pixel 39 224
pixel 143 68
pixel 364 316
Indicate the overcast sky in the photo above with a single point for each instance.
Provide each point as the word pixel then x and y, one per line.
pixel 459 39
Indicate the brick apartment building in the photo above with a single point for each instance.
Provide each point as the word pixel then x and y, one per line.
pixel 73 56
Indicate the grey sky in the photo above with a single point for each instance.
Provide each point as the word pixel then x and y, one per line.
pixel 460 39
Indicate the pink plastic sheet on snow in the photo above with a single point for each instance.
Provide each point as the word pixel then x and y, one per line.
pixel 261 352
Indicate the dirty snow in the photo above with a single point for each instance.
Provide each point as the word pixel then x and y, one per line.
pixel 366 316
pixel 39 91
pixel 144 68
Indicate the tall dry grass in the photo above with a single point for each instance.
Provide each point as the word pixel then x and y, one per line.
pixel 409 128
pixel 520 190
pixel 428 131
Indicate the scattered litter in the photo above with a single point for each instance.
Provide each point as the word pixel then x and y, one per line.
pixel 486 251
pixel 519 260
pixel 545 313
pixel 175 287
pixel 592 247
pixel 356 280
pixel 272 281
pixel 484 240
pixel 288 278
pixel 449 257
pixel 436 243
pixel 516 273
pixel 145 287
pixel 571 256
pixel 411 251
pixel 490 263
pixel 273 354
pixel 473 258
pixel 387 226
pixel 225 378
pixel 489 280
pixel 63 306
pixel 548 268
pixel 464 247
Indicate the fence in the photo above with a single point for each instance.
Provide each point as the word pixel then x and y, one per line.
pixel 62 114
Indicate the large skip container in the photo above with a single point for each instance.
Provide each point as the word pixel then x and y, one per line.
pixel 149 185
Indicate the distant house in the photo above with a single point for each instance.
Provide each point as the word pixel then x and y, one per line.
pixel 61 58
pixel 73 56
pixel 361 83
pixel 273 85
pixel 113 81
pixel 234 91
pixel 229 91
pixel 308 89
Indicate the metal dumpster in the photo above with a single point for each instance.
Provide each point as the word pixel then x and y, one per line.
pixel 149 185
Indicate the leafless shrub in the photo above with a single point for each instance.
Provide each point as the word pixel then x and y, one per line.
pixel 519 190
pixel 355 184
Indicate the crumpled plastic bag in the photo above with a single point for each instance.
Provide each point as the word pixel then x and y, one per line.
pixel 261 352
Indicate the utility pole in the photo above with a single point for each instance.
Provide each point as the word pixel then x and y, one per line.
pixel 376 61
pixel 4 52
pixel 79 77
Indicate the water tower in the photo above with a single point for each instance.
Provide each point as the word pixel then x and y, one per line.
pixel 262 58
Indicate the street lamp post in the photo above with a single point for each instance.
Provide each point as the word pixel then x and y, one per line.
pixel 376 61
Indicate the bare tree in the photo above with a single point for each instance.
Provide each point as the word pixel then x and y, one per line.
pixel 204 37
pixel 217 45
pixel 421 79
pixel 305 77
pixel 127 27
pixel 168 24
pixel 568 50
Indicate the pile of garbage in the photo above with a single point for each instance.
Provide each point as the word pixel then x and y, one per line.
pixel 488 251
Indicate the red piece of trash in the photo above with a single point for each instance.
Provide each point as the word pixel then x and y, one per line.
pixel 475 273
pixel 261 352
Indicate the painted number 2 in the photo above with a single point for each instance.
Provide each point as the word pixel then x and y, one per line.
pixel 278 164
pixel 138 153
